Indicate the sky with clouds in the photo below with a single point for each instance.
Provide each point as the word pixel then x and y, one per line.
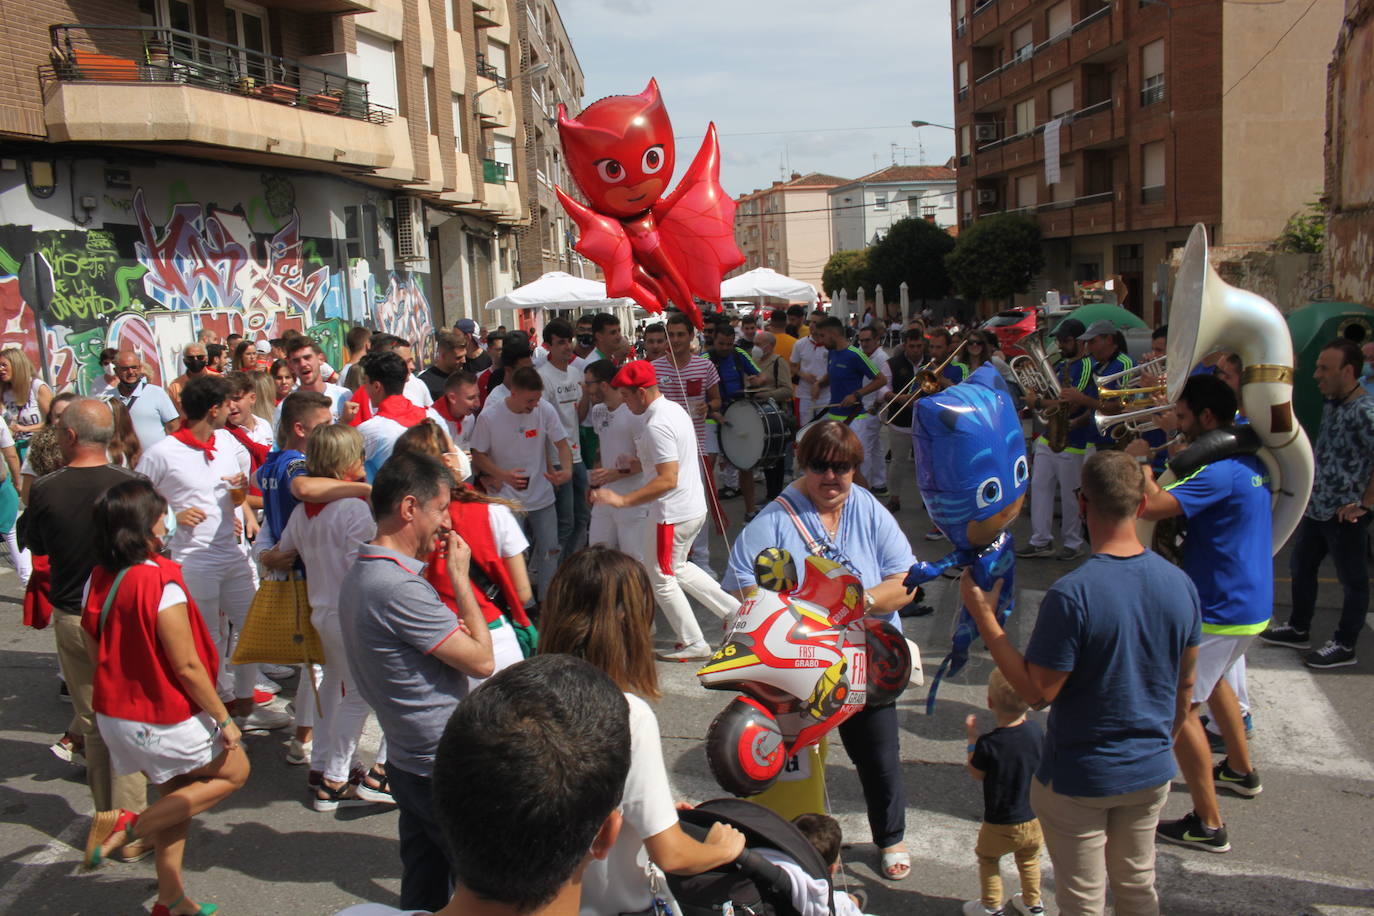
pixel 805 86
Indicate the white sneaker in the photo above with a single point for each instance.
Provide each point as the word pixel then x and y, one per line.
pixel 278 672
pixel 267 685
pixel 262 719
pixel 298 752
pixel 686 654
pixel 1020 905
pixel 976 908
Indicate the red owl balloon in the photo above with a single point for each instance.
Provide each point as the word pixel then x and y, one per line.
pixel 653 249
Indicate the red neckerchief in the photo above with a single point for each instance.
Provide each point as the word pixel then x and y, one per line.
pixel 397 407
pixel 442 409
pixel 364 406
pixel 256 450
pixel 185 437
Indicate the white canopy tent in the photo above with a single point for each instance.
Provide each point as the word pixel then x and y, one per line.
pixel 764 283
pixel 555 291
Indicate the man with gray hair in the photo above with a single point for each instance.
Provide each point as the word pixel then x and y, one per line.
pixel 58 524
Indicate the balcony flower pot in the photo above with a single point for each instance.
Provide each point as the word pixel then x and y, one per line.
pixel 328 102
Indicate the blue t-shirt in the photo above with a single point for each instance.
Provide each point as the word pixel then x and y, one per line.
pixel 1008 758
pixel 1227 553
pixel 733 368
pixel 1077 374
pixel 849 370
pixel 274 480
pixel 955 372
pixel 150 409
pixel 1119 626
pixel 869 538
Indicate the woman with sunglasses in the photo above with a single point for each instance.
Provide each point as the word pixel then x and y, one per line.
pixel 823 513
pixel 979 350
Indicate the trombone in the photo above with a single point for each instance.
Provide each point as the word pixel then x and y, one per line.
pixel 1154 367
pixel 925 381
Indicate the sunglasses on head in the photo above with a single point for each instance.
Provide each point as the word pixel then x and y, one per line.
pixel 821 467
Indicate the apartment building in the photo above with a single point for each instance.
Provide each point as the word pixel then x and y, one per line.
pixel 174 166
pixel 545 243
pixel 788 226
pixel 1120 124
pixel 866 207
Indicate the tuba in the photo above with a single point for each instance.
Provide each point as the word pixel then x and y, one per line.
pixel 1035 372
pixel 1210 315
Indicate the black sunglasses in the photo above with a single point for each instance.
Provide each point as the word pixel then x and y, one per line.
pixel 820 467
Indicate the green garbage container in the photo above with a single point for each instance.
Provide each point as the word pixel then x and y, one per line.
pixel 1311 327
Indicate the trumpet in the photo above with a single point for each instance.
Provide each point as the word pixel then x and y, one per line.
pixel 1154 367
pixel 924 382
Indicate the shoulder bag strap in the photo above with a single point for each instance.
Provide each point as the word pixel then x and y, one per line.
pixel 790 508
pixel 109 601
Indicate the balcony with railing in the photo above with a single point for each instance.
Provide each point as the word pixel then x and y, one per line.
pixel 139 84
pixel 494 172
pixel 485 69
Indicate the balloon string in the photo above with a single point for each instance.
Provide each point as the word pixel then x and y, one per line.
pixel 713 505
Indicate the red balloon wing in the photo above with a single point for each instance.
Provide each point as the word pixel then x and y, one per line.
pixel 602 240
pixel 697 223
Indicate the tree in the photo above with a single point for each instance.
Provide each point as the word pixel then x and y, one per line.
pixel 1305 233
pixel 996 257
pixel 846 270
pixel 912 252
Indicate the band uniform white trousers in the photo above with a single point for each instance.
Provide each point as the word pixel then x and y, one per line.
pixel 222 586
pixel 343 711
pixel 671 574
pixel 618 528
pixel 869 430
pixel 903 464
pixel 1050 470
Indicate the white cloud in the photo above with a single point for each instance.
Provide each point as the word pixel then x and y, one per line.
pixel 767 65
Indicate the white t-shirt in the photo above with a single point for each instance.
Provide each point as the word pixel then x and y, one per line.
pixel 338 397
pixel 615 429
pixel 563 389
pixel 185 479
pixel 620 882
pixel 379 437
pixel 813 359
pixel 666 434
pixel 416 392
pixel 506 532
pixel 497 395
pixel 172 594
pixel 328 545
pixel 261 433
pixel 517 441
pixel 879 360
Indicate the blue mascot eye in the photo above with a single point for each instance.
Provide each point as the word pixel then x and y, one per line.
pixel 989 492
pixel 1022 470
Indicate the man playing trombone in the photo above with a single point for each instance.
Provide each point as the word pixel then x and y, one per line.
pixel 1051 468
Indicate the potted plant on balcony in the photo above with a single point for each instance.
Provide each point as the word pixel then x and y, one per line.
pixel 330 101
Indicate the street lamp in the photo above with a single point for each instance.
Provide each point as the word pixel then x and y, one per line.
pixel 930 124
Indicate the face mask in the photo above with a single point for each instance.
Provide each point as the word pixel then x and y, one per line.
pixel 585 340
pixel 109 368
pixel 758 353
pixel 193 363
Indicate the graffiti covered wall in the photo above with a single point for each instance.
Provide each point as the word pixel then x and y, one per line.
pixel 170 249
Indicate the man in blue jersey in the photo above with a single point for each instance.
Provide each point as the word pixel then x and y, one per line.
pixel 737 371
pixel 850 374
pixel 939 344
pixel 1051 469
pixel 1105 348
pixel 1227 555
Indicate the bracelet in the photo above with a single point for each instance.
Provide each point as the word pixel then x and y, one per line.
pixel 219 726
pixel 969 749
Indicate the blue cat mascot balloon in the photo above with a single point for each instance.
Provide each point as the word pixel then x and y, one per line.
pixel 971 469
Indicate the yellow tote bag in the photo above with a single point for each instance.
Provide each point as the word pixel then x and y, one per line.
pixel 278 629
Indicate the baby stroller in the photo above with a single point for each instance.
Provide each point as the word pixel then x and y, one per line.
pixel 751 885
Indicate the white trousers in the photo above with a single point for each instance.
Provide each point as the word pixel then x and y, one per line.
pixel 343 711
pixel 618 528
pixel 903 461
pixel 505 651
pixel 1051 470
pixel 673 577
pixel 223 587
pixel 869 430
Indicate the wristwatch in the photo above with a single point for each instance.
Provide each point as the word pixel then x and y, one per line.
pixel 869 602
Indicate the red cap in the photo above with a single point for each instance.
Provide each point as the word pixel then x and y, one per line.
pixel 638 373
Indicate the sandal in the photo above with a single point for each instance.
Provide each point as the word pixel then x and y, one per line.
pixel 377 790
pixel 165 909
pixel 327 798
pixel 105 825
pixel 896 865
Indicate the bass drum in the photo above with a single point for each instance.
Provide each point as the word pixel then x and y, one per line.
pixel 754 433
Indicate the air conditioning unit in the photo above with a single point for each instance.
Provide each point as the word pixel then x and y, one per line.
pixel 984 132
pixel 411 244
pixel 987 196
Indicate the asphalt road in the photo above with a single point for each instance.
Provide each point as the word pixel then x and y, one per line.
pixel 1305 846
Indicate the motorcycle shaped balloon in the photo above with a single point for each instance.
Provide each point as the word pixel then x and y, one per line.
pixel 652 249
pixel 805 660
pixel 972 472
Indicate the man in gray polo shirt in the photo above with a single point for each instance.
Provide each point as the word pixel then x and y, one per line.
pixel 409 656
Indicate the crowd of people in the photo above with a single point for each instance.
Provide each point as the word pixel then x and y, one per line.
pixel 516 495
